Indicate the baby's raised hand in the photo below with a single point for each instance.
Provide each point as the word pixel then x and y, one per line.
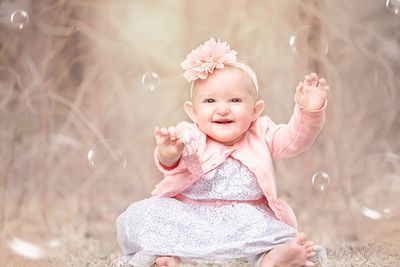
pixel 169 145
pixel 312 92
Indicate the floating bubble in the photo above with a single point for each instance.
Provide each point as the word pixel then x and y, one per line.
pixel 375 185
pixel 309 43
pixel 31 250
pixel 150 80
pixel 320 180
pixel 393 6
pixel 186 138
pixel 19 18
pixel 26 249
pixel 107 156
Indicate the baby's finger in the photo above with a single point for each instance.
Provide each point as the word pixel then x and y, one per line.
pixel 161 139
pixel 314 76
pixel 322 82
pixel 164 131
pixel 162 134
pixel 307 80
pixel 314 79
pixel 157 132
pixel 172 133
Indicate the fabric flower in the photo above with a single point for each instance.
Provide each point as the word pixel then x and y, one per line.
pixel 209 56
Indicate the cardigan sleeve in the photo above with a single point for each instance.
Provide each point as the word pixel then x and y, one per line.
pixel 295 137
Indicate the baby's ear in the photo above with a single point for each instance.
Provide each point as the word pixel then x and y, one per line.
pixel 188 107
pixel 258 109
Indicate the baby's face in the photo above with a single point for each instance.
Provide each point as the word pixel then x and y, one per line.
pixel 224 105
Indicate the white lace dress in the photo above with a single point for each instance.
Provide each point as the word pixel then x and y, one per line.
pixel 203 233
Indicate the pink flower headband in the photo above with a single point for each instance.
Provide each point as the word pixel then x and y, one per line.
pixel 209 56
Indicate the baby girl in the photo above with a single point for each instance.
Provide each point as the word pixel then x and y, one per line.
pixel 218 200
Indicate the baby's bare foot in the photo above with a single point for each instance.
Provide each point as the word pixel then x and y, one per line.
pixel 296 253
pixel 168 261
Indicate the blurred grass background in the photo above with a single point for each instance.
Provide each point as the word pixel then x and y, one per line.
pixel 71 82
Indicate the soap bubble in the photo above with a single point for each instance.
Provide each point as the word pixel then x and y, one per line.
pixel 31 250
pixel 320 180
pixel 393 6
pixel 186 137
pixel 26 249
pixel 150 80
pixel 19 18
pixel 375 185
pixel 309 43
pixel 32 243
pixel 107 156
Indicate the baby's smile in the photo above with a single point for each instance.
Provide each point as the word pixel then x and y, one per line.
pixel 223 121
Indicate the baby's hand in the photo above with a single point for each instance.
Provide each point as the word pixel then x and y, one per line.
pixel 311 94
pixel 169 145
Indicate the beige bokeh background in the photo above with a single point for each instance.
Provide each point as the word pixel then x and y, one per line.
pixel 72 78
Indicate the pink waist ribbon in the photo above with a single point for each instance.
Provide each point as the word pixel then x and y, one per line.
pixel 219 202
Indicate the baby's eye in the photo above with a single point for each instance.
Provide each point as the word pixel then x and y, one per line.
pixel 209 100
pixel 236 100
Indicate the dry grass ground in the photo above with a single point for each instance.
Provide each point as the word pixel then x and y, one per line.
pixel 91 252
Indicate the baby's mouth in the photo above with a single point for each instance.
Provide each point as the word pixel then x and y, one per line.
pixel 223 121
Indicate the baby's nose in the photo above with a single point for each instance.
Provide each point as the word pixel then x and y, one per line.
pixel 223 109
